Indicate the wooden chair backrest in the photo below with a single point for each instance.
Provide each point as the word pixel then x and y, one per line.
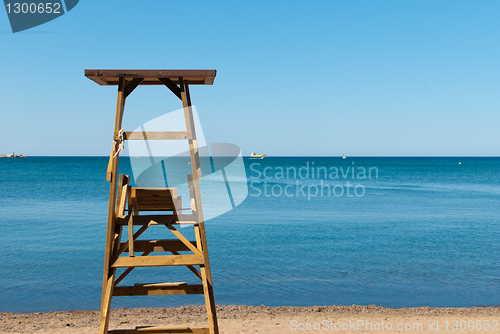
pixel 154 199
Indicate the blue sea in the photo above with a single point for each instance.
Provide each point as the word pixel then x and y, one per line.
pixel 395 232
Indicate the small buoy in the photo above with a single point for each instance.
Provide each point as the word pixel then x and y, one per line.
pixel 189 163
pixel 459 163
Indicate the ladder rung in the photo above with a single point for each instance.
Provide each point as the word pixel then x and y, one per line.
pixel 158 135
pixel 158 219
pixel 150 285
pixel 159 245
pixel 173 329
pixel 158 260
pixel 158 290
pixel 163 330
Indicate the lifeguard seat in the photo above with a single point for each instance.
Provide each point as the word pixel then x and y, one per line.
pixel 150 199
pixel 155 199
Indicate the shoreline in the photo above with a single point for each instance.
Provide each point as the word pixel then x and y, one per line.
pixel 263 319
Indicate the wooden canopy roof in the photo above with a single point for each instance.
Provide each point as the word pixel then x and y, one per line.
pixel 152 77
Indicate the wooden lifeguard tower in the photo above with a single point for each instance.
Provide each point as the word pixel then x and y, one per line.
pixel 127 205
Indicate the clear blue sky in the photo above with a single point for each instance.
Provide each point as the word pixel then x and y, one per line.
pixel 365 78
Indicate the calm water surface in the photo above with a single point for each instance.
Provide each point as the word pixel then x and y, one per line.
pixel 416 232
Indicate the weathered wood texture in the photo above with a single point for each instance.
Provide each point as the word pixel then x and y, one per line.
pixel 152 77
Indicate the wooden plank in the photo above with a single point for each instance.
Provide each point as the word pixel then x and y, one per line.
pixel 161 245
pixel 109 170
pixel 124 246
pixel 157 261
pixel 185 241
pixel 151 77
pixel 131 236
pixel 172 86
pixel 160 219
pixel 133 199
pixel 130 202
pixel 206 276
pixel 153 81
pixel 155 195
pixel 159 73
pixel 155 188
pixel 192 268
pixel 112 238
pixel 154 199
pixel 127 271
pixel 157 135
pixel 151 285
pixel 168 327
pixel 132 85
pixel 99 81
pixel 193 146
pixel 122 195
pixel 173 330
pixel 162 330
pixel 106 303
pixel 207 282
pixel 193 289
pixel 157 207
pixel 178 207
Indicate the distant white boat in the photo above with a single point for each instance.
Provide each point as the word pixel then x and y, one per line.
pixel 343 156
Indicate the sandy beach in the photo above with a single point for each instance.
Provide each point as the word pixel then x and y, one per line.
pixel 262 319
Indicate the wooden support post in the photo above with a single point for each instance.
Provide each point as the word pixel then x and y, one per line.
pixel 113 236
pixel 200 228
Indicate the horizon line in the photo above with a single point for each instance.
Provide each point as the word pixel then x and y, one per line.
pixel 289 156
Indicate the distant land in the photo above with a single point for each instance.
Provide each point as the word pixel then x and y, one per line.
pixel 12 156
